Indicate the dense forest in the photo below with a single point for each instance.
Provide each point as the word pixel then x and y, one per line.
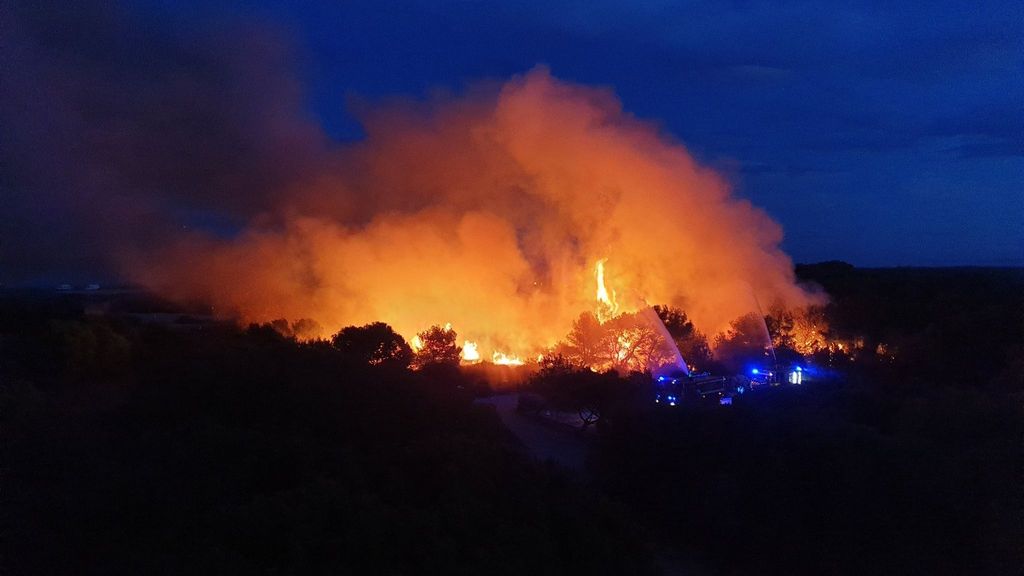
pixel 132 446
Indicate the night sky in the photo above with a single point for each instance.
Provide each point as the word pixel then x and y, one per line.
pixel 877 133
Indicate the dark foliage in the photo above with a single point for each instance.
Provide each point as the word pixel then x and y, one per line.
pixel 960 326
pixel 904 463
pixel 692 344
pixel 826 481
pixel 376 344
pixel 135 449
pixel 598 398
pixel 746 339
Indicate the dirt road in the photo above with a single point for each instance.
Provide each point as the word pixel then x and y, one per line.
pixel 545 440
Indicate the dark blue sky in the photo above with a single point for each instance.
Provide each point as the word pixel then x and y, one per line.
pixel 879 133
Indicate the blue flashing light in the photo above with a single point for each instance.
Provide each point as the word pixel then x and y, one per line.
pixel 755 371
pixel 799 369
pixel 661 378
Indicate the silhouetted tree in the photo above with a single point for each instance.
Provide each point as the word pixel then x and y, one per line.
pixel 551 364
pixel 780 323
pixel 692 344
pixel 268 333
pixel 571 389
pixel 376 344
pixel 438 347
pixel 282 327
pixel 593 396
pixel 589 343
pixel 307 329
pixel 745 340
pixel 301 329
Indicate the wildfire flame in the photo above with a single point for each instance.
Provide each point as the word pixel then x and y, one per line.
pixel 496 211
pixel 607 304
pixel 469 352
pixel 506 359
pixel 623 351
pixel 416 343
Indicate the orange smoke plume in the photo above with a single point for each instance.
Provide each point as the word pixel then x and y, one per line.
pixel 492 212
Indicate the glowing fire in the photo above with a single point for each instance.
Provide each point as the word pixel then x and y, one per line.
pixel 624 348
pixel 506 359
pixel 808 333
pixel 608 306
pixel 469 352
pixel 496 211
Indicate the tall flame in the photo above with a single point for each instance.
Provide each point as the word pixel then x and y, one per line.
pixel 608 306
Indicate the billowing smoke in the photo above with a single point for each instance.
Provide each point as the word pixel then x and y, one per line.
pixel 488 210
pixel 491 212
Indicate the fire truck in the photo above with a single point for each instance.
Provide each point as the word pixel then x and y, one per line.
pixel 764 377
pixel 677 387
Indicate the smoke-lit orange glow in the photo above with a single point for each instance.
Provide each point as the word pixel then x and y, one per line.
pixel 490 211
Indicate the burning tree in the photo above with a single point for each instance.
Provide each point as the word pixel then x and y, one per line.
pixel 437 345
pixel 802 330
pixel 638 346
pixel 625 343
pixel 810 330
pixel 780 323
